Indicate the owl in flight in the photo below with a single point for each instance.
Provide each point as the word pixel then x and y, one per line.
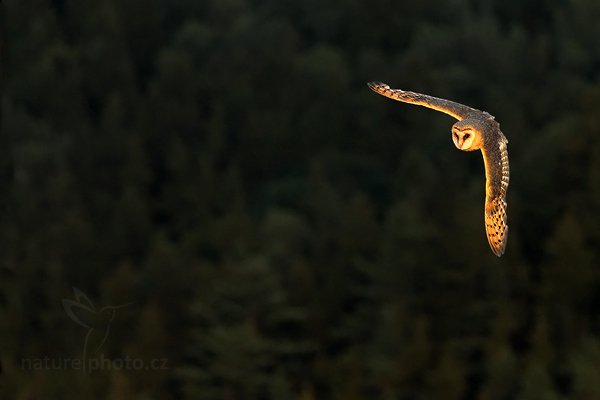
pixel 475 130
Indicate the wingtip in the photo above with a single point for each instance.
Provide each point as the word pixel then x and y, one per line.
pixel 373 85
pixel 499 249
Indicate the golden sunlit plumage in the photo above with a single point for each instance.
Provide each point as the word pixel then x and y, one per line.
pixel 475 130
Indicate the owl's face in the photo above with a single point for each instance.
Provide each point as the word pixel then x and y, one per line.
pixel 467 135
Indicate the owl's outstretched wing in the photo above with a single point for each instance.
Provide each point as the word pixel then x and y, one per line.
pixel 457 110
pixel 495 157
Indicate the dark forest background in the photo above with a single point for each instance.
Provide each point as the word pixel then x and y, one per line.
pixel 282 232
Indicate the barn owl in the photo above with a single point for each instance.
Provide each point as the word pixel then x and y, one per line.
pixel 475 130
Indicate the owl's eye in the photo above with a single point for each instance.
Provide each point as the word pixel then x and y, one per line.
pixel 466 136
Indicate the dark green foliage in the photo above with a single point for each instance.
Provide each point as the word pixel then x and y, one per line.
pixel 274 230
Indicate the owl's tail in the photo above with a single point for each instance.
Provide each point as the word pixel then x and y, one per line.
pixel 496 224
